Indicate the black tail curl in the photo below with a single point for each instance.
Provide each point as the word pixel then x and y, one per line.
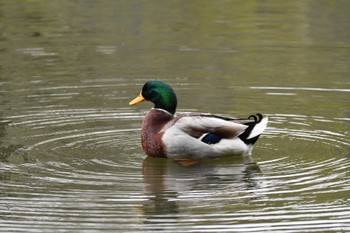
pixel 257 118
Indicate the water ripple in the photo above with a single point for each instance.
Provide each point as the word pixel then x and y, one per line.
pixel 85 172
pixel 301 88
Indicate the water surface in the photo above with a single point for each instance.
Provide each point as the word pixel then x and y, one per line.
pixel 70 155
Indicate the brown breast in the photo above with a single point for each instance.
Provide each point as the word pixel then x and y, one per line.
pixel 151 137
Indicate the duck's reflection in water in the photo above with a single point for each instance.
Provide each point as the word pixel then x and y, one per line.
pixel 168 182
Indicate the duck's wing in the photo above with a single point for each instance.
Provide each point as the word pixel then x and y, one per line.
pixel 212 128
pixel 197 125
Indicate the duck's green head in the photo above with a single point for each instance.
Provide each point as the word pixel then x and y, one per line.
pixel 159 93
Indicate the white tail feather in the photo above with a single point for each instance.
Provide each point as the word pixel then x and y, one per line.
pixel 259 128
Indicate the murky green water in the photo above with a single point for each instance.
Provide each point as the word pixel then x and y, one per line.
pixel 70 156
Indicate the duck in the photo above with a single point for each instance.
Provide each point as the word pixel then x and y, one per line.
pixel 192 135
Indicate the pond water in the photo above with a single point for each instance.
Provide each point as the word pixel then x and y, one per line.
pixel 70 154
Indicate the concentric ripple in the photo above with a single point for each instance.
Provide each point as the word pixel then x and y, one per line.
pixel 82 169
pixel 84 174
pixel 73 128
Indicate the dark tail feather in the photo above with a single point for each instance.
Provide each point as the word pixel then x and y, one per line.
pixel 244 136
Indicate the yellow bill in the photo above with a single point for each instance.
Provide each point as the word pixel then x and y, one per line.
pixel 137 100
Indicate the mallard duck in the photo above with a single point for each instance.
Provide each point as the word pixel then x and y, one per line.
pixel 166 133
